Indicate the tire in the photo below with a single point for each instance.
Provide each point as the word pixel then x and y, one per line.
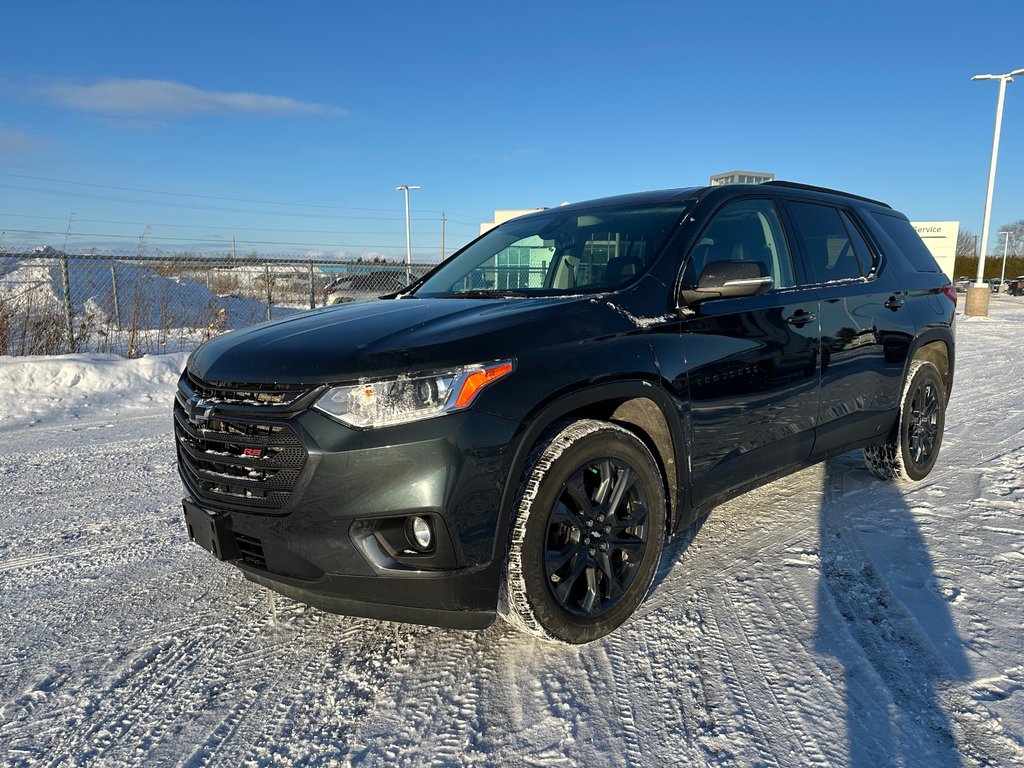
pixel 587 534
pixel 911 450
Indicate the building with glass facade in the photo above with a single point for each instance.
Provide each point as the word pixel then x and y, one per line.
pixel 741 177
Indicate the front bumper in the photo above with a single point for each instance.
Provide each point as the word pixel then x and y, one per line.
pixel 332 545
pixel 461 600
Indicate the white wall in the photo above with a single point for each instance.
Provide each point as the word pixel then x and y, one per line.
pixel 500 217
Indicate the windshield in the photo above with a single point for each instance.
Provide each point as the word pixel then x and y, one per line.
pixel 558 252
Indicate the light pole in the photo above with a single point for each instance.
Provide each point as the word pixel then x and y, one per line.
pixel 1006 242
pixel 977 302
pixel 408 234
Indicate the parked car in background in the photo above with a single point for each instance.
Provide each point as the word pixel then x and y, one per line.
pixel 962 283
pixel 1015 286
pixel 520 431
pixel 363 285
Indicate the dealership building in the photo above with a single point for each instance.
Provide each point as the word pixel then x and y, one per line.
pixel 740 177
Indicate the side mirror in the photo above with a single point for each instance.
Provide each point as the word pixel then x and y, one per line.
pixel 727 280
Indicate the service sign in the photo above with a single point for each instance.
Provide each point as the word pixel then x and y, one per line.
pixel 940 237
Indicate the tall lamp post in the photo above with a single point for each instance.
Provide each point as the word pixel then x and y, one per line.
pixel 1006 242
pixel 408 234
pixel 977 298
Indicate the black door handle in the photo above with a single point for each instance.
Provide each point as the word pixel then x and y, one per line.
pixel 894 302
pixel 801 318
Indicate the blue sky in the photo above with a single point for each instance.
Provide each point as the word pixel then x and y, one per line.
pixel 288 126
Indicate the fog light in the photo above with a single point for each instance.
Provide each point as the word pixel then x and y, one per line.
pixel 422 536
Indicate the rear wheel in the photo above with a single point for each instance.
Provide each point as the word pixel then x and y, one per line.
pixel 913 447
pixel 588 533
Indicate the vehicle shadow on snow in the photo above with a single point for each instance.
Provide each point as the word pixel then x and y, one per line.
pixel 883 618
pixel 675 545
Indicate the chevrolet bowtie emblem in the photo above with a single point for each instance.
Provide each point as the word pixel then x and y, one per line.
pixel 199 412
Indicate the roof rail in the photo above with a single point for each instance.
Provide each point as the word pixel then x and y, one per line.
pixel 811 188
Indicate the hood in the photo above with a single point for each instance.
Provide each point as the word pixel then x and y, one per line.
pixel 388 337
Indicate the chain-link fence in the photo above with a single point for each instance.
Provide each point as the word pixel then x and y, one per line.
pixel 131 305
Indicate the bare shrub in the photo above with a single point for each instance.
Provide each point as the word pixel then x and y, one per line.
pixel 135 323
pixel 218 321
pixel 7 312
pixel 224 283
pixel 41 328
pixel 86 325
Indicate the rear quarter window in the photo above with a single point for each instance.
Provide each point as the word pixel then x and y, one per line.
pixel 906 240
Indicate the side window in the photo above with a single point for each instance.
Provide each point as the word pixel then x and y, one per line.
pixel 906 239
pixel 864 254
pixel 747 230
pixel 827 243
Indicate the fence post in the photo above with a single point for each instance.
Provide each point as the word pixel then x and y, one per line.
pixel 266 275
pixel 65 282
pixel 312 290
pixel 117 305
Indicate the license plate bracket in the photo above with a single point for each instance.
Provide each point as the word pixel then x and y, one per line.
pixel 211 531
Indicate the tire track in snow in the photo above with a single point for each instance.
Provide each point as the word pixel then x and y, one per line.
pixel 684 708
pixel 420 701
pixel 615 666
pixel 240 720
pixel 124 708
pixel 321 679
pixel 80 557
pixel 744 710
pixel 769 607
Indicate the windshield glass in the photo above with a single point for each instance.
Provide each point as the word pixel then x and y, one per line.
pixel 558 252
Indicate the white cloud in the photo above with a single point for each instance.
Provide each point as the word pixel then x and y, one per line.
pixel 165 97
pixel 18 142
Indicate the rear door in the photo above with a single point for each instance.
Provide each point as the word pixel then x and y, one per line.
pixel 866 326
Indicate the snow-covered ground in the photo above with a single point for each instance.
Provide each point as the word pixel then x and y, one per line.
pixel 826 619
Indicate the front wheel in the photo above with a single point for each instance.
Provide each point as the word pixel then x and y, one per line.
pixel 588 533
pixel 912 448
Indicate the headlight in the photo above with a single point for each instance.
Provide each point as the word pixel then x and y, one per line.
pixel 370 404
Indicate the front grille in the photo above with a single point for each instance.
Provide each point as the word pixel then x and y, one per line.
pixel 239 461
pixel 251 549
pixel 217 392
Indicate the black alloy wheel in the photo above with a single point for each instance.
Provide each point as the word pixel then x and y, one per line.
pixel 910 451
pixel 587 533
pixel 923 425
pixel 597 536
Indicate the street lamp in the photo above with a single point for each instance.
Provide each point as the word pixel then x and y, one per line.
pixel 408 235
pixel 977 303
pixel 1006 242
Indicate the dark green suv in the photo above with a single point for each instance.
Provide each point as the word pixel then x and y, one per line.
pixel 520 429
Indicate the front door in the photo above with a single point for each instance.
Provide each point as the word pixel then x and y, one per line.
pixel 752 362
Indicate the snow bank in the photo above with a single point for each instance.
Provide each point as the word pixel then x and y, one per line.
pixel 46 389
